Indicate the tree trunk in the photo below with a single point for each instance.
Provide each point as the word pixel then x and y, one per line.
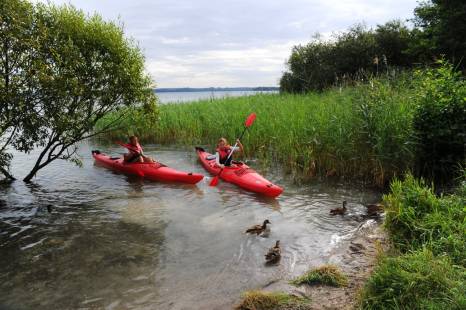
pixel 31 174
pixel 7 174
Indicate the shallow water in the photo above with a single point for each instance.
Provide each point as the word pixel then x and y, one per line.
pixel 116 242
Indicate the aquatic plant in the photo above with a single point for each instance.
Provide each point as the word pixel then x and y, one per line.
pixel 326 275
pixel 348 132
pixel 260 300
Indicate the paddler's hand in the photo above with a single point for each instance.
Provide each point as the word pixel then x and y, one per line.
pixel 221 166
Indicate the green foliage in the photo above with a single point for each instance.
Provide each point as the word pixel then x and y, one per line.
pixel 418 280
pixel 16 73
pixel 260 300
pixel 308 134
pixel 429 232
pixel 326 275
pixel 417 218
pixel 440 121
pixel 349 56
pixel 386 124
pixel 442 27
pixel 71 69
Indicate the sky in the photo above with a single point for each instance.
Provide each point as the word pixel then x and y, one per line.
pixel 233 43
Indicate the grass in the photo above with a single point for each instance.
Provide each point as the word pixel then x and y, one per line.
pixel 326 275
pixel 361 132
pixel 429 233
pixel 417 280
pixel 416 218
pixel 260 300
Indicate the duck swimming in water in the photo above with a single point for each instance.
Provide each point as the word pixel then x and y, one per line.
pixel 374 209
pixel 341 210
pixel 258 229
pixel 274 254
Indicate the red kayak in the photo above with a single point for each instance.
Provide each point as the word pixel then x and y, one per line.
pixel 152 171
pixel 240 174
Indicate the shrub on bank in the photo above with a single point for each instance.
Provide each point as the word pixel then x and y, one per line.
pixel 440 121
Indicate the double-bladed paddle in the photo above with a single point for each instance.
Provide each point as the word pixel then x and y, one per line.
pixel 249 121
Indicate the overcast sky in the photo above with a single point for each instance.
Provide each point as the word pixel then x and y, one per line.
pixel 200 43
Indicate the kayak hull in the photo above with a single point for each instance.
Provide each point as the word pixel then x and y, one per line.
pixel 151 171
pixel 241 175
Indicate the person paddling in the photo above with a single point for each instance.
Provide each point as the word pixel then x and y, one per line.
pixel 223 151
pixel 135 154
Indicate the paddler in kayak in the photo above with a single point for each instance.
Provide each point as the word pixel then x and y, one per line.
pixel 223 151
pixel 135 154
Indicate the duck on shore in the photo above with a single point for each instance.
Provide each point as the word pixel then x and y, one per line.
pixel 374 209
pixel 274 254
pixel 258 229
pixel 340 211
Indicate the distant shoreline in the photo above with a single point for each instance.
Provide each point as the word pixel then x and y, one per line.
pixel 214 89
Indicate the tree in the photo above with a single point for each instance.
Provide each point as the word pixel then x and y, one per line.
pixel 321 64
pixel 17 39
pixel 392 40
pixel 443 28
pixel 81 69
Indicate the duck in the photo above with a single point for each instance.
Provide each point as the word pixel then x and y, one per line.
pixel 274 254
pixel 258 229
pixel 341 210
pixel 374 209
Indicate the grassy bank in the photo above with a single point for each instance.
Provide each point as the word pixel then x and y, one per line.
pixel 428 267
pixel 360 132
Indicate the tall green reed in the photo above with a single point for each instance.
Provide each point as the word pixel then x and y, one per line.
pixel 360 132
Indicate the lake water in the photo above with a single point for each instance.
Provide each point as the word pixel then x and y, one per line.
pixel 118 242
pixel 173 97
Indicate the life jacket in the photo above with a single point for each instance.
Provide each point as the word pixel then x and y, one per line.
pixel 134 149
pixel 224 152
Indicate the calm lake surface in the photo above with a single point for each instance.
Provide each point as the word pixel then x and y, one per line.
pixel 115 242
pixel 180 97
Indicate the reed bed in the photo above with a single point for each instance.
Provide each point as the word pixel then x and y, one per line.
pixel 361 132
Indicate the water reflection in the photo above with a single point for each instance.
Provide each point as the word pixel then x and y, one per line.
pixel 121 242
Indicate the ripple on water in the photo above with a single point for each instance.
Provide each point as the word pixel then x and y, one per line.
pixel 114 241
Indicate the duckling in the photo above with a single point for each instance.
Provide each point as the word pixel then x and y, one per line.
pixel 258 229
pixel 374 209
pixel 274 254
pixel 341 210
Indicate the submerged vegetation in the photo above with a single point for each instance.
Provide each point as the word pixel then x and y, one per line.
pixel 326 275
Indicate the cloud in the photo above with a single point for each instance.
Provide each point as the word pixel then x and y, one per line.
pixel 233 43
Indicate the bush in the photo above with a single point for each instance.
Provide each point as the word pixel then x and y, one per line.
pixel 440 121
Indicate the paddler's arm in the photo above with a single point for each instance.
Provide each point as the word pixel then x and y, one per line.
pixel 217 160
pixel 240 145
